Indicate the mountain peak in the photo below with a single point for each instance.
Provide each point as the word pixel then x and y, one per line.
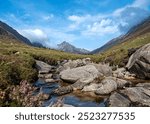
pixel 67 47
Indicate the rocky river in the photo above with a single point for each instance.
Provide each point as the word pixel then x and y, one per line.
pixel 82 83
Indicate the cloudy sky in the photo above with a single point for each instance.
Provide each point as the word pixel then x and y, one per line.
pixel 84 23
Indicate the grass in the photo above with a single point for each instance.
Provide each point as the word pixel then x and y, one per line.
pixel 118 53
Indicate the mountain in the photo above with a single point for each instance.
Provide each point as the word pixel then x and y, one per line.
pixel 67 47
pixel 134 32
pixel 6 30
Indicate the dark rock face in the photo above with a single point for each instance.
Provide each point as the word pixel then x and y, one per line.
pixel 131 51
pixel 118 100
pixel 139 62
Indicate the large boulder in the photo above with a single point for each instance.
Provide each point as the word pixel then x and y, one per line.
pixel 139 96
pixel 88 73
pixel 103 69
pixel 43 67
pixel 120 82
pixel 74 63
pixel 103 85
pixel 107 86
pixel 118 100
pixel 139 62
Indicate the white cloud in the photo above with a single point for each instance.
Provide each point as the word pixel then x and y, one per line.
pixel 57 36
pixel 119 21
pixel 141 3
pixel 103 27
pixel 81 22
pixel 48 17
pixel 35 35
pixel 78 19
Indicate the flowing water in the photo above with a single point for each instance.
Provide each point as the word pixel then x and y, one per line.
pixel 77 99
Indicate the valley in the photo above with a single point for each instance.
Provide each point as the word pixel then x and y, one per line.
pixel 38 76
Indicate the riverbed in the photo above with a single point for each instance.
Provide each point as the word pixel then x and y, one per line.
pixel 77 98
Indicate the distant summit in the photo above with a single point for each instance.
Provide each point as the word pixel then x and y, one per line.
pixel 67 47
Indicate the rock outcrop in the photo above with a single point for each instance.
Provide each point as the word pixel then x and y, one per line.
pixel 139 62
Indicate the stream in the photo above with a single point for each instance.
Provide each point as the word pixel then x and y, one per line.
pixel 77 99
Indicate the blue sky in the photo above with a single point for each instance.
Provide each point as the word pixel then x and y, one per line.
pixel 84 23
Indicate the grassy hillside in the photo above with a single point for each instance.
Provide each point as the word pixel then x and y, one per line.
pixel 17 61
pixel 118 53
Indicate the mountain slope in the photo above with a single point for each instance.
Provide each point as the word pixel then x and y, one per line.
pixel 66 47
pixel 6 30
pixel 134 32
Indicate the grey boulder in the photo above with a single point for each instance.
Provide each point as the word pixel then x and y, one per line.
pixel 140 96
pixel 118 100
pixel 87 73
pixel 107 86
pixel 43 67
pixel 139 62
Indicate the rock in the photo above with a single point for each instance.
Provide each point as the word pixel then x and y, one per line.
pixel 73 64
pixel 131 51
pixel 91 88
pixel 119 73
pixel 115 81
pixel 46 76
pixel 103 69
pixel 49 80
pixel 139 62
pixel 118 100
pixel 88 72
pixel 145 85
pixel 108 85
pixel 129 76
pixel 139 96
pixel 122 83
pixel 56 76
pixel 63 90
pixel 43 67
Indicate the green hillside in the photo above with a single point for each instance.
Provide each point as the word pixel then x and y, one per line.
pixel 117 54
